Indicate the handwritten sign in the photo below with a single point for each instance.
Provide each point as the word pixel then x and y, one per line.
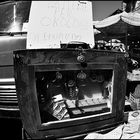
pixel 55 22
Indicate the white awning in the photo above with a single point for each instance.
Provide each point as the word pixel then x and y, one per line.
pixel 108 21
pixel 132 18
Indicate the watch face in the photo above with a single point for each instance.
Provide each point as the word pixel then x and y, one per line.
pixel 58 75
pixel 81 75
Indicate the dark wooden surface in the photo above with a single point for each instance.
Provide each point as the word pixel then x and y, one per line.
pixel 27 62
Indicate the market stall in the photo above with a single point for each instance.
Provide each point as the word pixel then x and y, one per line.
pixel 123 26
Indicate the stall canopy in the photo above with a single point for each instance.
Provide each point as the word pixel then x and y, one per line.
pixel 119 25
pixel 132 18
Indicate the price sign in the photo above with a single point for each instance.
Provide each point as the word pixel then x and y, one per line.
pixel 54 22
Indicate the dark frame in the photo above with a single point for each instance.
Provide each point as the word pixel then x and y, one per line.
pixel 27 62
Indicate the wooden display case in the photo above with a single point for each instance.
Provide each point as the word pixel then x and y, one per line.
pixel 69 92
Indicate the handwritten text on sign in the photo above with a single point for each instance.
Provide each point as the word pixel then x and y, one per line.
pixel 55 22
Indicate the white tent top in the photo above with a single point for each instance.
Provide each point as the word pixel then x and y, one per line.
pixel 132 18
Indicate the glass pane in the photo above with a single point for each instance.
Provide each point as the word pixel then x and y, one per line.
pixel 6 14
pixel 22 12
pixel 13 15
pixel 71 94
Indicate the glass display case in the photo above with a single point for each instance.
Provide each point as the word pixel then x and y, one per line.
pixel 74 93
pixel 69 92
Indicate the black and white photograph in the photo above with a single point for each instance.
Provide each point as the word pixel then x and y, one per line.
pixel 69 70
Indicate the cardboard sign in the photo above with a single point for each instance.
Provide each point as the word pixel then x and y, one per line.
pixel 54 22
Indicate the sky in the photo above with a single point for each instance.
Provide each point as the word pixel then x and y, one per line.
pixel 102 9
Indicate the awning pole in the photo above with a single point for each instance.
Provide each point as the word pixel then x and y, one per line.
pixel 126 39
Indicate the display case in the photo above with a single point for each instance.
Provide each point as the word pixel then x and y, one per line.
pixel 69 92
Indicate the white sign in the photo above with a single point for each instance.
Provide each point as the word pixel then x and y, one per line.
pixel 55 22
